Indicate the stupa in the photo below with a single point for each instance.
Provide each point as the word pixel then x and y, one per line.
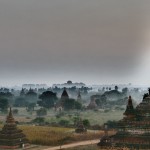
pixel 10 136
pixel 92 104
pixel 79 97
pixel 80 127
pixel 134 128
pixel 105 140
pixel 64 95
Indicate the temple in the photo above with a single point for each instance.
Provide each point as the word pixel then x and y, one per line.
pixel 134 128
pixel 22 93
pixel 10 136
pixel 80 127
pixel 79 96
pixel 105 140
pixel 129 113
pixel 64 95
pixel 92 104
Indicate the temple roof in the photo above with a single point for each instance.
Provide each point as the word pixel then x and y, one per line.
pixel 79 95
pixel 22 92
pixel 92 104
pixel 133 129
pixel 10 135
pixel 10 118
pixel 130 109
pixel 64 94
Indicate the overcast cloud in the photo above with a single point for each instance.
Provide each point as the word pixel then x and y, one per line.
pixel 94 41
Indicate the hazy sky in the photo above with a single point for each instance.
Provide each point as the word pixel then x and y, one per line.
pixel 93 41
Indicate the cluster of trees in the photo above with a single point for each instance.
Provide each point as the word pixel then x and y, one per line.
pixel 109 88
pixel 3 104
pixel 73 90
pixel 101 100
pixel 49 99
pixel 6 99
pixel 41 112
pixel 26 99
pixel 111 97
pixel 70 104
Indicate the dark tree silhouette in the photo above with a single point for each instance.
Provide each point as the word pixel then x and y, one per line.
pixel 3 104
pixel 48 99
pixel 116 88
pixel 20 102
pixel 69 104
pixel 30 106
pixel 41 112
pixel 125 91
pixel 86 122
pixel 78 105
pixel 31 96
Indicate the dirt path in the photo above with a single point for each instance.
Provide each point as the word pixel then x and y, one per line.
pixel 74 145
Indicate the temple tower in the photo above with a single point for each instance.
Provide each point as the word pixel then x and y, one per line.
pixel 11 137
pixel 129 112
pixel 80 127
pixel 79 97
pixel 133 131
pixel 22 92
pixel 92 104
pixel 64 95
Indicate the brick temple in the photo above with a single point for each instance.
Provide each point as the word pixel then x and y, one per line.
pixel 134 128
pixel 10 136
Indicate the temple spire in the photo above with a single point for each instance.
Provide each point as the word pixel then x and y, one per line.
pixel 10 136
pixel 129 112
pixel 64 94
pixel 149 91
pixel 10 118
pixel 79 96
pixel 10 112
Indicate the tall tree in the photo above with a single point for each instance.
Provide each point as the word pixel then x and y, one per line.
pixel 3 104
pixel 116 88
pixel 48 99
pixel 69 104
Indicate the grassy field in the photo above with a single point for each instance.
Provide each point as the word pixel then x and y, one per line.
pixel 95 117
pixel 52 136
pixel 95 147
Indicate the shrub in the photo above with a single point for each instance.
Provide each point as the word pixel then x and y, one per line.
pixel 15 111
pixel 63 122
pixel 69 104
pixel 41 112
pixel 78 105
pixel 75 120
pixel 96 127
pixel 60 114
pixel 86 122
pixel 112 124
pixel 106 111
pixel 39 120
